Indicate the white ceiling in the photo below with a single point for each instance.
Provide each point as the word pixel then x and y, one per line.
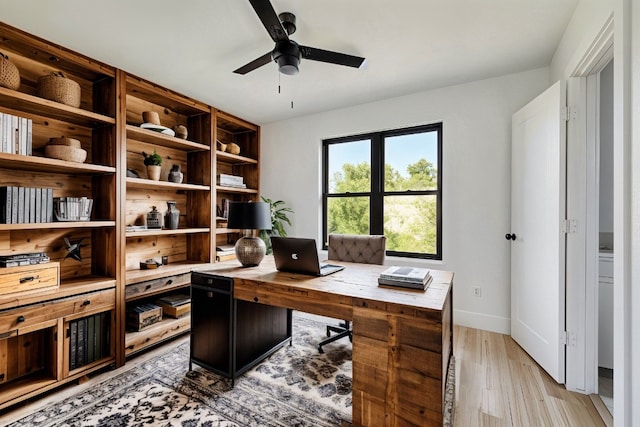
pixel 193 46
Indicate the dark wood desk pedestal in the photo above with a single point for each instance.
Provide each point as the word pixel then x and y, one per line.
pixel 402 339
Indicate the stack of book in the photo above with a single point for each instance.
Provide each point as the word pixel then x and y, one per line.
pixel 72 208
pixel 89 339
pixel 225 252
pixel 21 205
pixel 15 134
pixel 234 181
pixel 406 277
pixel 16 260
pixel 175 305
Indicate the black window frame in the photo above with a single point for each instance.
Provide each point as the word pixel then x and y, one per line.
pixel 377 193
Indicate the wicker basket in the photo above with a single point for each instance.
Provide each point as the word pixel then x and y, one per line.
pixel 9 74
pixel 71 142
pixel 57 87
pixel 65 152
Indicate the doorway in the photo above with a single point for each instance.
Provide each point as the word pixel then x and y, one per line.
pixel 605 235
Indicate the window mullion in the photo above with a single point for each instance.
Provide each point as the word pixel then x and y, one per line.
pixel 377 185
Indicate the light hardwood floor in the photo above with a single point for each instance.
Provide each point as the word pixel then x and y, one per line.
pixel 498 384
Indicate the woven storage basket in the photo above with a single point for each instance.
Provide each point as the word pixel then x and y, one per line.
pixel 71 142
pixel 9 74
pixel 65 152
pixel 57 87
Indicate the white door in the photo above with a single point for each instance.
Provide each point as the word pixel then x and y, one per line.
pixel 538 178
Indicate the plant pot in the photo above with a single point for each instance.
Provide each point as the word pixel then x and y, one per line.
pixel 153 172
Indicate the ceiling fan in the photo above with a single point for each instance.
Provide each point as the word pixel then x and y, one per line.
pixel 287 53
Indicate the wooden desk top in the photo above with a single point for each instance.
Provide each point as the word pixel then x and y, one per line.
pixel 356 285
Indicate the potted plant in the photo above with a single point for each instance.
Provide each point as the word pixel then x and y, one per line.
pixel 278 218
pixel 154 164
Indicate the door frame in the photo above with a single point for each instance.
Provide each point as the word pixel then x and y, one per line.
pixel 582 179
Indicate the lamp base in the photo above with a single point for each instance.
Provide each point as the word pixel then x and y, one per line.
pixel 250 251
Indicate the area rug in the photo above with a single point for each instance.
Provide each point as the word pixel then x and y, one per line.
pixel 296 386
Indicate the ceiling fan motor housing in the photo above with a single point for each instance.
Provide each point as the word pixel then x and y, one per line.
pixel 287 55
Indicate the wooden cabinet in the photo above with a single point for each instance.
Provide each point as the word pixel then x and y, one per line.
pixel 112 241
pixel 231 336
pixel 190 244
pixel 37 317
pixel 246 136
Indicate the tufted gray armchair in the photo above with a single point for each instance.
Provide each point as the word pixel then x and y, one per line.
pixel 365 249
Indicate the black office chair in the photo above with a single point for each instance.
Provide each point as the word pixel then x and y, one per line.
pixel 365 249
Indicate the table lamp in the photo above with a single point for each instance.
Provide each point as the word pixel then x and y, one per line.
pixel 249 216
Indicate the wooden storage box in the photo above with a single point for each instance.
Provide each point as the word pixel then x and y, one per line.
pixel 29 278
pixel 140 316
pixel 175 305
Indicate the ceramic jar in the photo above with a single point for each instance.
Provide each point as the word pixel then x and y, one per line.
pixel 172 216
pixel 175 175
pixel 154 218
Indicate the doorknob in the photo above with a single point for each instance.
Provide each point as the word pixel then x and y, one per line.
pixel 511 236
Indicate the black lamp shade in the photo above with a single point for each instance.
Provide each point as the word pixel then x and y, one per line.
pixel 249 215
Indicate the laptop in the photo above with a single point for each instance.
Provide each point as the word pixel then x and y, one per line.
pixel 299 255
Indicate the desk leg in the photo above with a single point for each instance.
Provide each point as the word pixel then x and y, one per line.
pixel 397 369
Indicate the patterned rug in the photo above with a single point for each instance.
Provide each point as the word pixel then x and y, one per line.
pixel 296 386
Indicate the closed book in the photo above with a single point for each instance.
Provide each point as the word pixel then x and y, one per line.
pixel 3 142
pixel 82 324
pixel 32 205
pixel 38 205
pixel 49 215
pixel 73 344
pixel 406 274
pixel 5 205
pixel 14 134
pixel 14 205
pixel 404 284
pixel 21 199
pixel 90 338
pixel 23 255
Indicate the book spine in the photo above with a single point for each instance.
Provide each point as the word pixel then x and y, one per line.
pixel 14 135
pixel 73 338
pixel 14 205
pixel 3 142
pixel 32 205
pixel 5 200
pixel 91 331
pixel 38 205
pixel 20 205
pixel 29 137
pixel 49 205
pixel 81 341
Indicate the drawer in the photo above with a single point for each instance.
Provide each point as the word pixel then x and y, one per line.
pixel 150 287
pixel 29 278
pixel 212 281
pixel 605 267
pixel 28 316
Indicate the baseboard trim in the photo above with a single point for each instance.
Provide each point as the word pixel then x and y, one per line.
pixel 486 322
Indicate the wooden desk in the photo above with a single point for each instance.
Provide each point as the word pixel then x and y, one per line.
pixel 402 339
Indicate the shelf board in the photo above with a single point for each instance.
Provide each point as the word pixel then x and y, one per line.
pixel 43 107
pixel 151 184
pixel 68 287
pixel 136 276
pixel 157 138
pixel 224 189
pixel 224 230
pixel 155 334
pixel 45 164
pixel 57 225
pixel 225 157
pixel 163 232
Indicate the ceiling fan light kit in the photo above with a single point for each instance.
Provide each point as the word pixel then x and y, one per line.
pixel 287 53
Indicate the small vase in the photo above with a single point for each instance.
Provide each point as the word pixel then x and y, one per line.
pixel 172 216
pixel 153 172
pixel 175 175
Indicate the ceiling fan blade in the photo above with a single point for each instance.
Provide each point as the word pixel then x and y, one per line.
pixel 316 54
pixel 256 63
pixel 269 19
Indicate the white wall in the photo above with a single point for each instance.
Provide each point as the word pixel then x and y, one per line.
pixel 476 184
pixel 583 29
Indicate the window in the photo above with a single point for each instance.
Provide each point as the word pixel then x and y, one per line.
pixel 386 183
